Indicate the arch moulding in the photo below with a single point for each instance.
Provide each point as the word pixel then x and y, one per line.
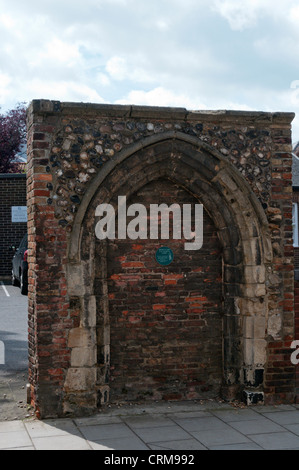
pixel 243 232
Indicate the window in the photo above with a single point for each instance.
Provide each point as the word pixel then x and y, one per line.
pixel 295 224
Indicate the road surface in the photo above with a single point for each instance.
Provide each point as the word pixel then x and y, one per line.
pixel 13 353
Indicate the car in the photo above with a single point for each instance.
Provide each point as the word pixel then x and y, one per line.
pixel 20 266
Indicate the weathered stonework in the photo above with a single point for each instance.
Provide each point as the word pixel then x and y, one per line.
pixel 81 149
pixel 85 297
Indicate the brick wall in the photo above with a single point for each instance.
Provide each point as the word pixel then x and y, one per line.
pixel 296 249
pixel 161 316
pixel 296 294
pixel 297 334
pixel 12 193
pixel 239 164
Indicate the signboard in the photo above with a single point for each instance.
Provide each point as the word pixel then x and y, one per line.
pixel 19 214
pixel 164 256
pixel 2 353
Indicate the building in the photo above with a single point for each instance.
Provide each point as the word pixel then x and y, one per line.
pixel 13 200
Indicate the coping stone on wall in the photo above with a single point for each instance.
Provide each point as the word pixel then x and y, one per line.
pixel 134 111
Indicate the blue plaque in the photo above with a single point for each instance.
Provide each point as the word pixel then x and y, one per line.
pixel 164 256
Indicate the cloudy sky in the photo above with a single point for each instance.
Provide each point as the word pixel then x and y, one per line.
pixel 198 54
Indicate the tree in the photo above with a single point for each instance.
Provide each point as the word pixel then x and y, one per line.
pixel 12 139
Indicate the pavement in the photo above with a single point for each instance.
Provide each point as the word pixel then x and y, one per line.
pixel 161 428
pixel 14 364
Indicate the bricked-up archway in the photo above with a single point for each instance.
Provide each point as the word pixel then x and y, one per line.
pixel 84 155
pixel 160 317
pixel 243 233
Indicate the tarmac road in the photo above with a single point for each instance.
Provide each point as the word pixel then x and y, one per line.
pixel 13 353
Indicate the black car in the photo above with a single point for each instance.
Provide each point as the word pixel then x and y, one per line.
pixel 20 266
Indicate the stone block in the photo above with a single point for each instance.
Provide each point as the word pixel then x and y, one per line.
pixel 79 338
pixel 254 327
pixel 255 274
pixel 275 325
pixel 252 291
pixel 103 395
pixel 227 181
pixel 253 306
pixel 252 252
pixel 83 357
pixel 80 379
pixel 253 397
pixel 75 279
pixel 89 317
pixel 254 352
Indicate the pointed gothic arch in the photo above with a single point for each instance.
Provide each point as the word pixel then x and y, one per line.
pixel 243 231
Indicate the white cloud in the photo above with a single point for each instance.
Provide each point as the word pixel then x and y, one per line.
pixel 240 15
pixel 117 68
pixel 245 14
pixel 294 15
pixel 136 69
pixel 7 21
pixel 59 90
pixel 162 24
pixel 162 52
pixel 60 51
pixel 102 79
pixel 5 82
pixel 285 48
pixel 161 97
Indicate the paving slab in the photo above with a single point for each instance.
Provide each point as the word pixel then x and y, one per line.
pixel 162 434
pixel 277 441
pixel 294 428
pixel 215 437
pixel 246 446
pixel 189 444
pixel 51 428
pixel 69 442
pixel 151 421
pixel 108 431
pixel 200 424
pixel 284 417
pixel 14 439
pixel 158 427
pixel 257 426
pixel 231 415
pixel 124 443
